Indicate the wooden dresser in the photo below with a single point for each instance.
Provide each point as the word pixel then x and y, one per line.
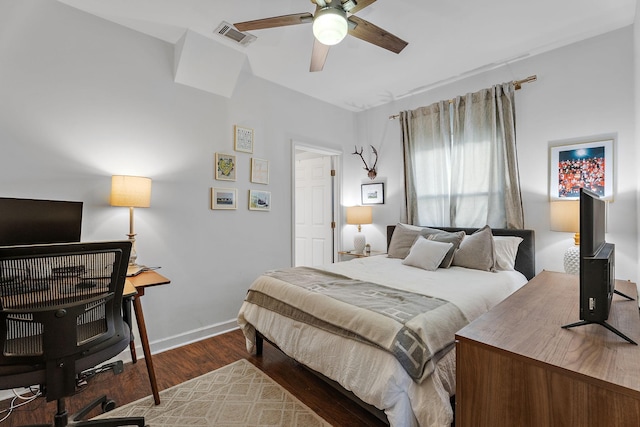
pixel 516 366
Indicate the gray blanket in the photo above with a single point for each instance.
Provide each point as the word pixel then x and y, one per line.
pixel 416 329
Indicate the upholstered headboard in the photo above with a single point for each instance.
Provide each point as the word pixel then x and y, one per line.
pixel 526 257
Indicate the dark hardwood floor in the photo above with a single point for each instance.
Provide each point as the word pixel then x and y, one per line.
pixel 178 365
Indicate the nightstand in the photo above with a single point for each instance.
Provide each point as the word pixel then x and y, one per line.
pixel 347 255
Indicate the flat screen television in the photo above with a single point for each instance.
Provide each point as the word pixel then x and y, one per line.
pixel 597 264
pixel 31 221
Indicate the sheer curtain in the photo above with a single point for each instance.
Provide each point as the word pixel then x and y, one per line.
pixel 461 165
pixel 426 135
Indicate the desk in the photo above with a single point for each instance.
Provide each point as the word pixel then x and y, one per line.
pixel 516 366
pixel 134 288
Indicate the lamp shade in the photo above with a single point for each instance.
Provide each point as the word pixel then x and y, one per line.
pixel 330 25
pixel 565 216
pixel 130 191
pixel 358 215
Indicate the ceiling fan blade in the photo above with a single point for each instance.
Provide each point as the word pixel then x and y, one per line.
pixel 361 5
pixel 276 21
pixel 318 55
pixel 368 32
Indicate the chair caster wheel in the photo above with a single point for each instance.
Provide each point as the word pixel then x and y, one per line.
pixel 108 405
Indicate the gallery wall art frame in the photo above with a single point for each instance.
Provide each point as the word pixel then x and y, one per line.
pixel 224 198
pixel 225 167
pixel 243 139
pixel 259 200
pixel 372 194
pixel 588 164
pixel 259 171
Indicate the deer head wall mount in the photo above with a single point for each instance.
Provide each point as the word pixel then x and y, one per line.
pixel 371 171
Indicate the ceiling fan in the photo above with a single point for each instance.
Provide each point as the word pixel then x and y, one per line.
pixel 332 20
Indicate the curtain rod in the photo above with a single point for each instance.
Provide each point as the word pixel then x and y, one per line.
pixel 516 83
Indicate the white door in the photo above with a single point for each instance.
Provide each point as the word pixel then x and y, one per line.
pixel 314 244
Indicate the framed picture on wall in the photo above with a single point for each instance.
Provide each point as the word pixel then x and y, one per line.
pixel 243 139
pixel 587 164
pixel 224 198
pixel 225 165
pixel 373 194
pixel 259 171
pixel 259 200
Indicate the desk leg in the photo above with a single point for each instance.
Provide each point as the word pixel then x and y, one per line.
pixel 142 329
pixel 126 314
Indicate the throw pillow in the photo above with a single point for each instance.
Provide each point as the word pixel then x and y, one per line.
pixel 476 251
pixel 405 235
pixel 443 236
pixel 427 254
pixel 506 248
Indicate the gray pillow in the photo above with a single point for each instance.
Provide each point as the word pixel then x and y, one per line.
pixel 426 254
pixel 477 251
pixel 443 236
pixel 405 235
pixel 401 241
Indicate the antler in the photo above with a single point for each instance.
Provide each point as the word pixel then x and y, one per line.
pixel 366 167
pixel 371 172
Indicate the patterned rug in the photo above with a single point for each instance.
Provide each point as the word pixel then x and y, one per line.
pixel 238 394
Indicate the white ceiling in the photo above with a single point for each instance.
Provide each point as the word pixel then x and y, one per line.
pixel 448 39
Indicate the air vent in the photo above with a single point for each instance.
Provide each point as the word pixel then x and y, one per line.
pixel 226 30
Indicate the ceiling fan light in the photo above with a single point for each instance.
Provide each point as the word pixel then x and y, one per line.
pixel 330 26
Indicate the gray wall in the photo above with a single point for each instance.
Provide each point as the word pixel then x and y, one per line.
pixel 83 99
pixel 583 91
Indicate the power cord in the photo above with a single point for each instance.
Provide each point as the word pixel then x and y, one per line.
pixel 117 367
pixel 25 399
pixel 81 381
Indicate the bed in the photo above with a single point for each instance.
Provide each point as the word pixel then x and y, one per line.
pixel 396 353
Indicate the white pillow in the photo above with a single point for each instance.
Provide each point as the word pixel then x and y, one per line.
pixel 506 249
pixel 427 254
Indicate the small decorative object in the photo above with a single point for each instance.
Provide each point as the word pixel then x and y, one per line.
pixel 588 165
pixel 225 167
pixel 565 217
pixel 224 198
pixel 259 200
pixel 373 194
pixel 371 171
pixel 259 171
pixel 358 215
pixel 367 249
pixel 243 139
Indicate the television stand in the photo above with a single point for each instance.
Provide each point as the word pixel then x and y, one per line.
pixel 516 366
pixel 605 324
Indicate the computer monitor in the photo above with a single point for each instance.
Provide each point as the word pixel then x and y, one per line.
pixel 32 221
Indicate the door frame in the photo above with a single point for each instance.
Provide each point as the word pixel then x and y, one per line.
pixel 336 160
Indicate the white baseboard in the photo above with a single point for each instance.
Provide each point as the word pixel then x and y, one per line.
pixel 160 345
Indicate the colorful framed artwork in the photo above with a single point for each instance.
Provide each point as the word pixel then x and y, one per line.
pixel 225 165
pixel 373 194
pixel 259 171
pixel 587 164
pixel 224 198
pixel 243 139
pixel 259 200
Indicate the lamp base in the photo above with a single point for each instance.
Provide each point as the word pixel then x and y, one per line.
pixel 572 260
pixel 359 242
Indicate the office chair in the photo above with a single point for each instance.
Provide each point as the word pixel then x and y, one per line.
pixel 61 314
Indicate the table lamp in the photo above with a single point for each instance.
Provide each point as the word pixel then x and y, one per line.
pixel 358 215
pixel 131 192
pixel 565 216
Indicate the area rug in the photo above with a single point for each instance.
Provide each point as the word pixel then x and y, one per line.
pixel 238 394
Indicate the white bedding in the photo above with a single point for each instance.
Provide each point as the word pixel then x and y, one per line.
pixel 375 376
